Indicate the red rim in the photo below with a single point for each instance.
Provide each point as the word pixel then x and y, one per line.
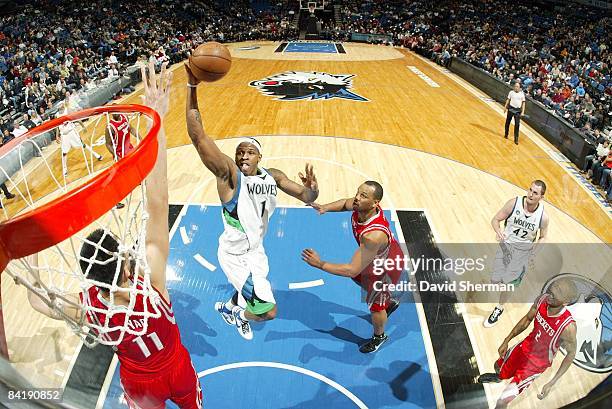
pixel 64 216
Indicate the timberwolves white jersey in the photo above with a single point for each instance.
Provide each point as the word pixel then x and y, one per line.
pixel 67 128
pixel 246 216
pixel 520 227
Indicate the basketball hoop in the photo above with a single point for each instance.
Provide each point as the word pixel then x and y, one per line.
pixel 52 211
pixel 39 228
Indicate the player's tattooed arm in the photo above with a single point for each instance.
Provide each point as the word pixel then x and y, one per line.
pixel 568 339
pixel 221 165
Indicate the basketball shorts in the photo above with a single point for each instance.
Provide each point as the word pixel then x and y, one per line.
pixel 180 384
pixel 70 140
pixel 121 151
pixel 511 267
pixel 248 273
pixel 377 295
pixel 518 366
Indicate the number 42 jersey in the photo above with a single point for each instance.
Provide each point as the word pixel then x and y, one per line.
pixel 521 227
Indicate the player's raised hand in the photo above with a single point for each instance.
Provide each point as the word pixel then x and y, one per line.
pixel 311 257
pixel 308 178
pixel 191 79
pixel 319 208
pixel 156 89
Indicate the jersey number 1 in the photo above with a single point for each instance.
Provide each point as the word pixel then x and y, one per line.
pixel 143 346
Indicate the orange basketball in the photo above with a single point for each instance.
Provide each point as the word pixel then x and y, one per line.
pixel 210 61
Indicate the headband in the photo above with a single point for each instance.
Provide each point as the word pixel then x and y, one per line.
pixel 252 141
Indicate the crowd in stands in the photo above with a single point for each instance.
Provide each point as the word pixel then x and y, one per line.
pixel 560 56
pixel 56 49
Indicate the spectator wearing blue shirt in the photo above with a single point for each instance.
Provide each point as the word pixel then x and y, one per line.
pixel 574 80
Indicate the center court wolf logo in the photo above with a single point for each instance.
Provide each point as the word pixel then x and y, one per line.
pixel 312 85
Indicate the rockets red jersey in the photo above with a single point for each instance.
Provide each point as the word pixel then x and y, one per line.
pixel 376 222
pixel 139 355
pixel 369 277
pixel 120 135
pixel 542 343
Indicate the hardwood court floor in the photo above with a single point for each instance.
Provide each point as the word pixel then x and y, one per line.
pixel 452 216
pixel 458 168
pixel 403 110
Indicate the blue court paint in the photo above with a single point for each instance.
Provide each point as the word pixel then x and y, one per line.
pixel 328 48
pixel 318 328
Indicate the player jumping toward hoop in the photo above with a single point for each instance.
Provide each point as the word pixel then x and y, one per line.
pixel 553 327
pixel 156 366
pixel 248 195
pixel 523 218
pixel 375 241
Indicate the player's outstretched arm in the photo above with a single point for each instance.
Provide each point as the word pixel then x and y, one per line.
pixel 38 304
pixel 157 96
pixel 341 205
pixel 307 192
pixel 568 339
pixel 500 216
pixel 221 165
pixel 371 243
pixel 518 328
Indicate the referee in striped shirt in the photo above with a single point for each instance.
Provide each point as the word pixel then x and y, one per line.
pixel 515 107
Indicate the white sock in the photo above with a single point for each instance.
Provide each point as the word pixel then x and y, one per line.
pixel 501 307
pixel 242 316
pixel 241 301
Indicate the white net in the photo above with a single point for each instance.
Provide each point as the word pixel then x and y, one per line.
pixel 100 308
